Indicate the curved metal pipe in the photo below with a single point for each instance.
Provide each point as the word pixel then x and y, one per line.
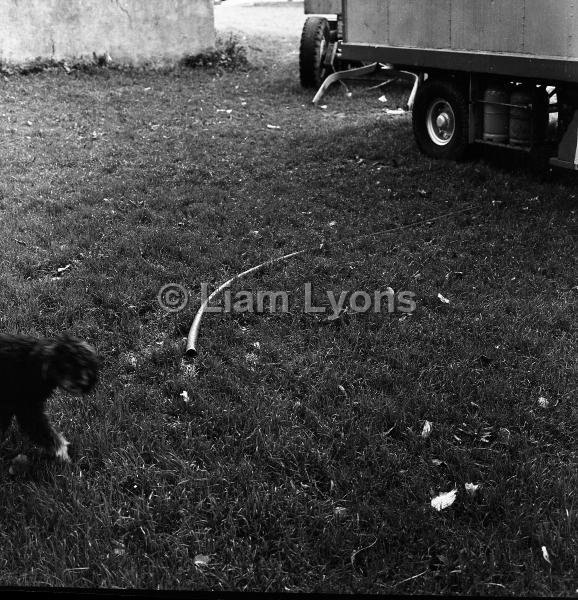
pixel 191 350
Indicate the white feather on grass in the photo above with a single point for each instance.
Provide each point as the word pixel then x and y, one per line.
pixel 444 500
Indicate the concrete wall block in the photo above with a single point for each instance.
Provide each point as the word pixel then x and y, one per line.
pixel 131 31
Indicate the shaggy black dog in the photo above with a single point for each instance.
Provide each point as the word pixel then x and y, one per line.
pixel 30 370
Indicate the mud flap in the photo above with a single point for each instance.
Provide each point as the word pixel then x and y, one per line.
pixel 568 148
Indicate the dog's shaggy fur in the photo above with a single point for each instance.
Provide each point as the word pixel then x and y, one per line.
pixel 30 370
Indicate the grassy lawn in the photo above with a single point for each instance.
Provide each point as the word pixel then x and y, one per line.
pixel 298 462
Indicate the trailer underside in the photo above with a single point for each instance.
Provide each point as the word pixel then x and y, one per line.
pixel 498 72
pixel 519 66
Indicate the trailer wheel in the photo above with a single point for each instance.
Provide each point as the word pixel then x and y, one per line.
pixel 441 120
pixel 315 42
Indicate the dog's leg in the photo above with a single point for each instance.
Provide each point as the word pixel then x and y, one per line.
pixel 36 425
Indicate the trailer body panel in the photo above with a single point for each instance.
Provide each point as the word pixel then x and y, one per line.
pixel 323 7
pixel 507 30
pixel 487 26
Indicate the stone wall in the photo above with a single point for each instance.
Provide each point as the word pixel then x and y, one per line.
pixel 131 31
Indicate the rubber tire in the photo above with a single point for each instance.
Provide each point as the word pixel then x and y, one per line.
pixel 312 72
pixel 450 92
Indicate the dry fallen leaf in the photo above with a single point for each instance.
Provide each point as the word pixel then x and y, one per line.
pixel 119 548
pixel 543 402
pixel 201 560
pixel 444 500
pixel 427 427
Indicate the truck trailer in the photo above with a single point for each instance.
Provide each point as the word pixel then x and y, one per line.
pixel 486 71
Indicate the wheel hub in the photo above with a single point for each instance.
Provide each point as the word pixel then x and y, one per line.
pixel 441 122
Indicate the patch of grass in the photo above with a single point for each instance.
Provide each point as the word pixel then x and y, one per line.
pixel 297 464
pixel 39 65
pixel 229 55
